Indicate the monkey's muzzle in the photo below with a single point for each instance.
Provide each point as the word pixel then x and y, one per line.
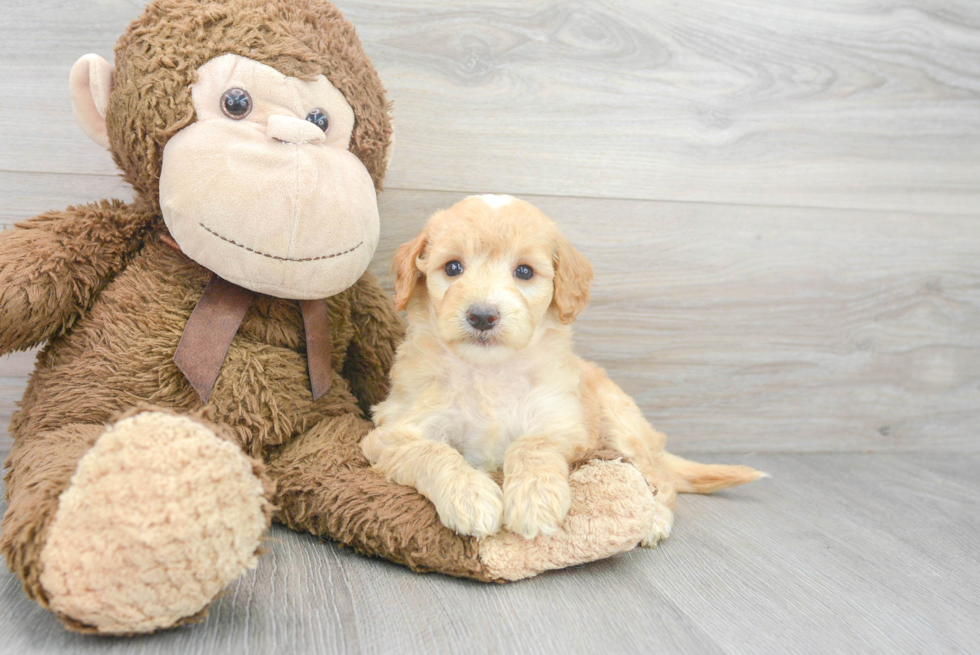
pixel 292 220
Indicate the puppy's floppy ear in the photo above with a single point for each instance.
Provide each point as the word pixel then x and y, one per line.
pixel 407 273
pixel 573 274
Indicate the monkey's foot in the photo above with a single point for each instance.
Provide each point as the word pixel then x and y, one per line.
pixel 611 512
pixel 159 517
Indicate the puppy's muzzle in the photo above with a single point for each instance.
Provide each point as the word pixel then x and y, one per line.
pixel 482 317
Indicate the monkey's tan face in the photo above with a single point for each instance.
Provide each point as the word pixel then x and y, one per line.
pixel 262 188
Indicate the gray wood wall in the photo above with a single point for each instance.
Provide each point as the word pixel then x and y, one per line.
pixel 781 198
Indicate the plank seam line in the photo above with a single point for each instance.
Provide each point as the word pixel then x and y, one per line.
pixel 903 212
pixel 826 208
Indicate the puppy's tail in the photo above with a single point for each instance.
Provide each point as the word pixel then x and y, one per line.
pixel 696 478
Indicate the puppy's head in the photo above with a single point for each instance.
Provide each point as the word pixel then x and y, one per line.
pixel 489 273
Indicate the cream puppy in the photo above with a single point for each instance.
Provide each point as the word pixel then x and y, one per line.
pixel 486 379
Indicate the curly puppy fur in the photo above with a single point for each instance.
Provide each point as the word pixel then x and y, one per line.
pixel 486 379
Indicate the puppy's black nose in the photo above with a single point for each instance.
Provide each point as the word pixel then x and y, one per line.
pixel 482 317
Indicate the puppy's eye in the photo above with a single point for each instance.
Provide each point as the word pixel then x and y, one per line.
pixel 524 272
pixel 454 268
pixel 236 103
pixel 319 118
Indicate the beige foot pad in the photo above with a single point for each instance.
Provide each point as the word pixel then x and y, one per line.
pixel 159 517
pixel 612 509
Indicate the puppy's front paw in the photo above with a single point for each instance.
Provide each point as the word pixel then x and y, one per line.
pixel 534 505
pixel 663 521
pixel 473 506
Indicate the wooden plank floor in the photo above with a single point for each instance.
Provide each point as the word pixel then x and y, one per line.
pixel 840 553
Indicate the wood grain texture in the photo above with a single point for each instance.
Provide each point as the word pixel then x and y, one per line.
pixel 859 104
pixel 771 329
pixel 834 554
pixel 843 104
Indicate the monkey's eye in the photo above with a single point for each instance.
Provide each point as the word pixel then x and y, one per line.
pixel 524 272
pixel 319 118
pixel 236 103
pixel 454 268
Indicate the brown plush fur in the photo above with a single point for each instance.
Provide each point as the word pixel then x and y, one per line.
pixel 103 285
pixel 121 353
pixel 331 491
pixel 40 469
pixel 54 266
pixel 111 299
pixel 156 66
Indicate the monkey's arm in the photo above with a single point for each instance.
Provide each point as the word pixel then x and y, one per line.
pixel 54 265
pixel 377 332
pixel 325 486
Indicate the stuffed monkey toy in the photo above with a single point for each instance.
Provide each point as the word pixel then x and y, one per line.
pixel 213 346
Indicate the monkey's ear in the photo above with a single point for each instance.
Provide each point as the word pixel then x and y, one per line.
pixel 407 273
pixel 91 83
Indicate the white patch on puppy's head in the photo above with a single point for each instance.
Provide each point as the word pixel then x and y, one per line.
pixel 495 201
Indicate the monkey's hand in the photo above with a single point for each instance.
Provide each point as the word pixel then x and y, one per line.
pixel 53 266
pixel 611 511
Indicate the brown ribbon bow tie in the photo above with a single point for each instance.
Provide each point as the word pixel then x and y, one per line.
pixel 215 322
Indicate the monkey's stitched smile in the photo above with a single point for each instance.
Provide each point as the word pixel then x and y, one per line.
pixel 284 259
